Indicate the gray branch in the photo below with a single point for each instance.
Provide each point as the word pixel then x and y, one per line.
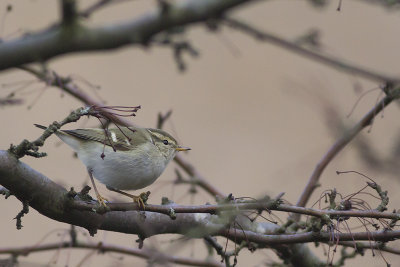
pixel 62 39
pixel 54 201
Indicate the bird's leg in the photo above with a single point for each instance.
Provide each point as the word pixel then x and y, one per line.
pixel 136 199
pixel 99 197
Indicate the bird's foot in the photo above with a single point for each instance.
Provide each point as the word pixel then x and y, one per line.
pixel 141 199
pixel 102 200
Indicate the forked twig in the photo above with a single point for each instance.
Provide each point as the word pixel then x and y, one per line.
pixel 338 146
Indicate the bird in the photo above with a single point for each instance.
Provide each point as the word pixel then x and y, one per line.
pixel 122 158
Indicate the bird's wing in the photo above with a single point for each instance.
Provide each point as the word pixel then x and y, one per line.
pixel 125 141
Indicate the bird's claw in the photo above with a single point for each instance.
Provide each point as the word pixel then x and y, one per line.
pixel 141 199
pixel 102 200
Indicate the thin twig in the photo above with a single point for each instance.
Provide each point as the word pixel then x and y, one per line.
pixel 293 47
pixel 218 248
pixel 338 146
pixel 361 246
pixel 162 118
pixel 103 247
pixel 97 6
pixel 307 237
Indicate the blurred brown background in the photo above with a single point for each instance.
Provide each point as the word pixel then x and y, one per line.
pixel 255 115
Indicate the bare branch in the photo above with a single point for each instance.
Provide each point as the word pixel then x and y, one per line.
pixel 362 246
pixel 307 237
pixel 104 247
pixel 31 148
pixel 162 118
pixel 68 12
pixel 238 207
pixel 341 143
pixel 198 178
pixel 57 40
pixel 56 203
pixel 98 5
pixel 202 221
pixel 10 101
pixel 53 201
pixel 293 47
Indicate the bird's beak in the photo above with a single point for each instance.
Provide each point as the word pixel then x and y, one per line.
pixel 182 148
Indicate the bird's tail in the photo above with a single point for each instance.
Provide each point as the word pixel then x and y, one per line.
pixel 40 126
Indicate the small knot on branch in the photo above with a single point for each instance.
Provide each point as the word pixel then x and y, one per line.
pixel 92 231
pixel 84 194
pixel 165 6
pixel 71 193
pixel 4 191
pixel 140 241
pixel 382 194
pixel 172 214
pixel 166 201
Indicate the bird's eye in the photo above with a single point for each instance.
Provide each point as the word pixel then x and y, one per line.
pixel 165 142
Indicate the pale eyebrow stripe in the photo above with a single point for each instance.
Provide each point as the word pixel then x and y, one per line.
pixel 162 137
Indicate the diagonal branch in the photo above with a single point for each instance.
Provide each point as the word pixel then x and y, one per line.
pixel 339 64
pixel 342 142
pixel 293 47
pixel 59 40
pixel 97 6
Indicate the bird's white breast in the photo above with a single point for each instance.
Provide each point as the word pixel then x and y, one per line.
pixel 122 169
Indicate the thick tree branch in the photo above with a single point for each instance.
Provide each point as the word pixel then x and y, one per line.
pixel 53 201
pixel 59 40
